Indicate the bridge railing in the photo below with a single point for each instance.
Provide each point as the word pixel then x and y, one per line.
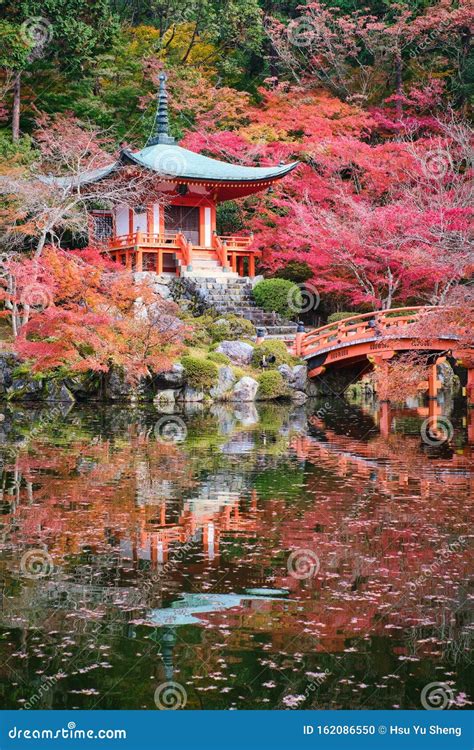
pixel 358 328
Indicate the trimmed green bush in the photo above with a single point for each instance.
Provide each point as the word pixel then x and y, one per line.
pixel 278 295
pixel 219 358
pixel 296 271
pixel 337 316
pixel 200 374
pixel 270 348
pixel 271 385
pixel 230 328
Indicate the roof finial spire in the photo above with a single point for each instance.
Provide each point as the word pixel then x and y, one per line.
pixel 160 128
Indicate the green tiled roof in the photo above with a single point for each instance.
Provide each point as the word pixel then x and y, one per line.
pixel 171 160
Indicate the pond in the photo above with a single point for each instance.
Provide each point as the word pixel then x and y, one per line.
pixel 274 557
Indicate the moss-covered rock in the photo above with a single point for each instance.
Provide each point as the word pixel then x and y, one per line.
pixel 199 374
pixel 219 358
pixel 231 327
pixel 269 349
pixel 272 385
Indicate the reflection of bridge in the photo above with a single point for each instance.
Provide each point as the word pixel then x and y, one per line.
pixel 397 466
pixel 376 337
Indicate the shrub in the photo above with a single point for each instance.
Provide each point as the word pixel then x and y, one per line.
pixel 219 358
pixel 231 328
pixel 200 374
pixel 278 295
pixel 273 348
pixel 296 271
pixel 198 334
pixel 271 385
pixel 337 316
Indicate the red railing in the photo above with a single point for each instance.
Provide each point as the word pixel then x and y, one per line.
pixel 235 242
pixel 358 328
pixel 142 239
pixel 231 242
pixel 221 250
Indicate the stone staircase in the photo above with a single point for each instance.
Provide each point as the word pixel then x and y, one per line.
pixel 205 267
pixel 234 295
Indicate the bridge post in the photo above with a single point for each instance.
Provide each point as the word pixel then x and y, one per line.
pixel 470 386
pixel 470 426
pixel 433 382
pixel 260 335
pixel 385 419
pixel 299 339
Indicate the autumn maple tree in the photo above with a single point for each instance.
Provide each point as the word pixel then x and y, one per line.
pixel 79 312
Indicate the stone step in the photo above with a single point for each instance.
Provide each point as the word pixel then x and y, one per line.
pixel 277 330
pixel 202 273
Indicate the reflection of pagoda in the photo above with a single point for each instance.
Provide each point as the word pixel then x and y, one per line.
pixel 198 522
pixel 176 231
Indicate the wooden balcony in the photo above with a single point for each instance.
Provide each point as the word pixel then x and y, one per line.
pixel 169 252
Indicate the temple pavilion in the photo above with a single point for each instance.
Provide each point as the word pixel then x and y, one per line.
pixel 178 234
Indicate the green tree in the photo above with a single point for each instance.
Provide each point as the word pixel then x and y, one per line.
pixel 69 32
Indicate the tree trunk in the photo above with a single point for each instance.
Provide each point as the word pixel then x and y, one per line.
pixel 16 107
pixel 399 85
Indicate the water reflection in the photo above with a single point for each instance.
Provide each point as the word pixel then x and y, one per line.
pixel 127 560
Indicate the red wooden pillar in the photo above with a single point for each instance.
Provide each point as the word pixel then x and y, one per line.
pixel 299 337
pixel 385 422
pixel 159 261
pixel 470 426
pixel 251 266
pixel 470 386
pixel 139 253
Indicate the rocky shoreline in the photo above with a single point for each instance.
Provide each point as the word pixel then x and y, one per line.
pixel 232 383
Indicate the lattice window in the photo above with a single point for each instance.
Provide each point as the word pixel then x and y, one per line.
pixel 103 226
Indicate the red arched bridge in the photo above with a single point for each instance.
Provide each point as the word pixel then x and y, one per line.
pixel 375 337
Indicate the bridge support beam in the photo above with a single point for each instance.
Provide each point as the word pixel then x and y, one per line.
pixel 470 386
pixel 385 418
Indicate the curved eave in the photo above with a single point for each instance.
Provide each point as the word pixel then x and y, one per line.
pixel 86 178
pixel 171 163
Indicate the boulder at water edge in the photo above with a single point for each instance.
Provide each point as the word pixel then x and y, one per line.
pixel 245 389
pixel 238 352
